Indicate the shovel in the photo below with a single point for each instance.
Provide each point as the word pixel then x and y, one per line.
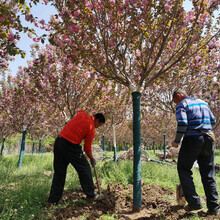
pixel 180 198
pixel 100 196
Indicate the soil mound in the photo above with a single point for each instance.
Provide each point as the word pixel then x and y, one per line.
pixel 157 203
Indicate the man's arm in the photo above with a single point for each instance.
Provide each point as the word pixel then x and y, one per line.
pixel 182 124
pixel 212 118
pixel 88 146
pixel 92 159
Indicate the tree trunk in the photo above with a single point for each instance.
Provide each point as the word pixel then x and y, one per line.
pixel 3 144
pixel 22 148
pixel 137 151
pixel 114 143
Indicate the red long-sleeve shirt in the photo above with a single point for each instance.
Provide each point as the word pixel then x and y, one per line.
pixel 79 128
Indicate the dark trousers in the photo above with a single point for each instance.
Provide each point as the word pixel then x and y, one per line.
pixel 200 148
pixel 66 152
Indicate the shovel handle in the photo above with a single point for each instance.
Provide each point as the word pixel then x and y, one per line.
pixel 96 176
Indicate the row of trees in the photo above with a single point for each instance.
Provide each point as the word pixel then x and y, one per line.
pixel 145 47
pixel 43 101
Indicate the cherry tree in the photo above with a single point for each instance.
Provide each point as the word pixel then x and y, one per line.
pixel 49 125
pixel 155 124
pixel 133 42
pixel 11 25
pixel 199 77
pixel 67 86
pixel 19 102
pixel 22 107
pixel 115 103
pixel 5 129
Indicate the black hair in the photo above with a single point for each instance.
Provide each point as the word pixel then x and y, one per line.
pixel 100 117
pixel 179 91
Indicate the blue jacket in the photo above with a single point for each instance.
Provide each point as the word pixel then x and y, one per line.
pixel 193 115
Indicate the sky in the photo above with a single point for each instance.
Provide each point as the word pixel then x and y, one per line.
pixel 42 12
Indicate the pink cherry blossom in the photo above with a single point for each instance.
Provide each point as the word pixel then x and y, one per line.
pixel 36 39
pixel 3 19
pixel 28 17
pixel 42 21
pixel 76 13
pixel 11 37
pixel 167 7
pixel 138 53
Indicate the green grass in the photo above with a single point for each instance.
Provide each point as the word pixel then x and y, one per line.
pixel 217 156
pixel 24 191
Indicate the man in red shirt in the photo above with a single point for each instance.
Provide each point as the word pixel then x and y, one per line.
pixel 67 149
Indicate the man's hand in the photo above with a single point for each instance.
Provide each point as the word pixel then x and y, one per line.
pixel 93 162
pixel 92 159
pixel 174 144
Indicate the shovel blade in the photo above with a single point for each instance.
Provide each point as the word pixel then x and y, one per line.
pixel 180 198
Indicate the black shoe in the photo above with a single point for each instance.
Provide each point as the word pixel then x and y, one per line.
pixel 52 204
pixel 213 212
pixel 91 198
pixel 189 208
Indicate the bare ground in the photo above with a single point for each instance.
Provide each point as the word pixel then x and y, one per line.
pixel 157 203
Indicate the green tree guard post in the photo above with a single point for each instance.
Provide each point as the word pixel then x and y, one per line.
pixel 22 148
pixel 154 146
pixel 126 146
pixel 114 143
pixel 39 151
pixel 3 145
pixel 33 147
pixel 137 150
pixel 115 154
pixel 123 145
pixel 103 143
pixel 164 146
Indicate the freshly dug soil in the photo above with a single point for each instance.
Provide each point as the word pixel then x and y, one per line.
pixel 157 203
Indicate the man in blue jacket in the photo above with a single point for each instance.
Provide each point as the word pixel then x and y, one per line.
pixel 194 125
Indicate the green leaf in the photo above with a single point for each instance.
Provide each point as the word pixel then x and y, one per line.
pixel 20 1
pixel 22 53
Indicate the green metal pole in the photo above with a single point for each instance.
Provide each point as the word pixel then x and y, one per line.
pixel 114 144
pixel 33 147
pixel 115 154
pixel 137 151
pixel 3 145
pixel 103 143
pixel 154 146
pixel 164 146
pixel 39 151
pixel 22 148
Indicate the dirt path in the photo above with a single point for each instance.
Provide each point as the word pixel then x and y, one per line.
pixel 157 203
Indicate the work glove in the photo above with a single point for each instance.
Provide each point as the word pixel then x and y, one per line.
pixel 93 162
